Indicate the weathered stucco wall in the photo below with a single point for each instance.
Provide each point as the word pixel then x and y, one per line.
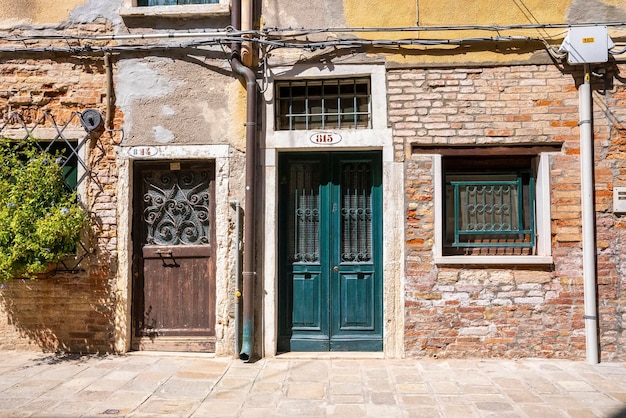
pixel 163 105
pixel 36 11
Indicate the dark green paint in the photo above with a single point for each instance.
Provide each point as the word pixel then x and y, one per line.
pixel 323 308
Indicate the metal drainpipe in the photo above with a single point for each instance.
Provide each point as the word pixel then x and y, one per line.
pixel 588 219
pixel 248 273
pixel 237 345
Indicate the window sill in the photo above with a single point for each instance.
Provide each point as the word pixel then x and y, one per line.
pixel 189 10
pixel 494 259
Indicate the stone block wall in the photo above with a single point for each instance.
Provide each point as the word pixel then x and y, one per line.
pixel 68 311
pixel 511 310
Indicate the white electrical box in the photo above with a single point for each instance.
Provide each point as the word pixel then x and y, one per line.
pixel 619 200
pixel 587 45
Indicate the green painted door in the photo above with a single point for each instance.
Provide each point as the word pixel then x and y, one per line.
pixel 330 235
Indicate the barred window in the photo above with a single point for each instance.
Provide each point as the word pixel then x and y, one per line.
pixel 489 206
pixel 343 103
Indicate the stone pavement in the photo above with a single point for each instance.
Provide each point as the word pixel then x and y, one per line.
pixel 164 385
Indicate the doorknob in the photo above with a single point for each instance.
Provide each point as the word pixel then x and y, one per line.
pixel 335 268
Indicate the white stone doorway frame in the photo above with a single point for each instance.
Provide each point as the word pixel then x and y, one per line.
pixel 379 137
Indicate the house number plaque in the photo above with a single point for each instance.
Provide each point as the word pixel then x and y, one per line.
pixel 325 138
pixel 143 151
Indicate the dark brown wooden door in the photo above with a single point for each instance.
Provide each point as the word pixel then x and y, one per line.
pixel 174 268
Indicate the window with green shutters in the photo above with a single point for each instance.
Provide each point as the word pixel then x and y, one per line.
pixel 489 206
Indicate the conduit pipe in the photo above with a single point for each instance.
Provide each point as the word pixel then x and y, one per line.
pixel 237 206
pixel 248 273
pixel 110 99
pixel 588 218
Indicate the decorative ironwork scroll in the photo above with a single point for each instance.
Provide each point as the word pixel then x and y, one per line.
pixel 304 219
pixel 176 207
pixel 356 212
pixel 492 210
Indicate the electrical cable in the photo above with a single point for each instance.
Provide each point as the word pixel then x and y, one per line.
pixel 275 38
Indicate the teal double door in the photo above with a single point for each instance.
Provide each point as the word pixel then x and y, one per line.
pixel 330 236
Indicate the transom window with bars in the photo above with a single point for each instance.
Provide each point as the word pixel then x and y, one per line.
pixel 343 103
pixel 491 211
pixel 143 3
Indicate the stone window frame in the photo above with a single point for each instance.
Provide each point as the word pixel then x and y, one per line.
pixel 130 9
pixel 543 252
pixel 377 134
pixel 318 89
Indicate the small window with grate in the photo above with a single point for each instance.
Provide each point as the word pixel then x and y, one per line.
pixel 343 103
pixel 144 3
pixel 489 206
pixel 68 153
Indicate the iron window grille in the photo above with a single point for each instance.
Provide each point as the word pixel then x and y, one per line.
pixel 492 211
pixel 343 103
pixel 145 3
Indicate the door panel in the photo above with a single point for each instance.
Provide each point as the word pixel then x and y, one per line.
pixel 330 285
pixel 357 301
pixel 177 277
pixel 173 267
pixel 307 312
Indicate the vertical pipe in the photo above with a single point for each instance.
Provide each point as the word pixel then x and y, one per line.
pixel 110 101
pixel 247 54
pixel 588 218
pixel 237 342
pixel 248 273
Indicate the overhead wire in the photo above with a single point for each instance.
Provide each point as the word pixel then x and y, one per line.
pixel 275 38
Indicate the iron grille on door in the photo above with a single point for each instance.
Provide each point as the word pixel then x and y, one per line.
pixel 304 218
pixel 176 207
pixel 356 212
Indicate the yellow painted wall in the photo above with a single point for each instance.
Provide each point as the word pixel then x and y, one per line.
pixel 373 13
pixel 407 13
pixel 490 12
pixel 37 11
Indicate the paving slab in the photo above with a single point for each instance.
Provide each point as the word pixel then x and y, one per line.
pixel 305 385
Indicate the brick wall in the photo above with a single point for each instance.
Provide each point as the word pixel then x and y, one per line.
pixel 65 312
pixel 511 311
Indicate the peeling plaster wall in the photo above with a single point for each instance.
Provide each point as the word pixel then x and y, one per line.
pixel 164 105
pixel 95 9
pixel 296 14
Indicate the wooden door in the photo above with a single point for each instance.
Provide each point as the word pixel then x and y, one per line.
pixel 174 251
pixel 330 230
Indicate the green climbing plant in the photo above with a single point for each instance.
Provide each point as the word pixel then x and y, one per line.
pixel 40 218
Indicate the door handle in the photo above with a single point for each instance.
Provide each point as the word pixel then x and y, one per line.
pixel 335 269
pixel 167 255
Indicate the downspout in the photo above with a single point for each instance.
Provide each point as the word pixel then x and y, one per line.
pixel 588 219
pixel 248 273
pixel 108 121
pixel 237 342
